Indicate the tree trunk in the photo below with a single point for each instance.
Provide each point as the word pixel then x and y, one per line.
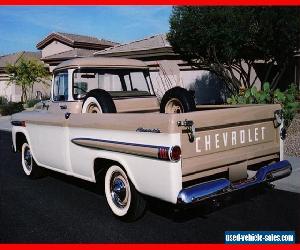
pixel 279 75
pixel 24 94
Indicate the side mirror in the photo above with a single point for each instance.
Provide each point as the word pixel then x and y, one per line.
pixel 39 95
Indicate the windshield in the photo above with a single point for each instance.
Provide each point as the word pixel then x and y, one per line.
pixel 118 82
pixel 60 86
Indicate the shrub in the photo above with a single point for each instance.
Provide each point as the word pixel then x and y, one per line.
pixel 11 108
pixel 31 103
pixel 287 99
pixel 3 100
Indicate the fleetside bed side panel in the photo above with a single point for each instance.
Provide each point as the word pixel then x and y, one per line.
pixel 153 177
pixel 51 137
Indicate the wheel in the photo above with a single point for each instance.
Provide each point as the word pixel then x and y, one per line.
pixel 177 100
pixel 98 101
pixel 122 197
pixel 29 165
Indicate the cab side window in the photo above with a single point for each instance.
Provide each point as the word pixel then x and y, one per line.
pixel 60 87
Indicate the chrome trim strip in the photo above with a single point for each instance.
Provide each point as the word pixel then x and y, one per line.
pixel 81 142
pixel 75 141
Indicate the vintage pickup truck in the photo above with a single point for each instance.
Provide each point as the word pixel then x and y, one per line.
pixel 104 120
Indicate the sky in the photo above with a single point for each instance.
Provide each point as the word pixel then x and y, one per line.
pixel 21 28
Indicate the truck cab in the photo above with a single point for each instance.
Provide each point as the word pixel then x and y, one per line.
pixel 127 82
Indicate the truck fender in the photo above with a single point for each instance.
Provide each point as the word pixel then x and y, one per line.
pixel 21 130
pixel 120 161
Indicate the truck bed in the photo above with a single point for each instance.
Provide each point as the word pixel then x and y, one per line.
pixel 228 139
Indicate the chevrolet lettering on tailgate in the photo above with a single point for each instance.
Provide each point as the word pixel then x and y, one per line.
pixel 224 139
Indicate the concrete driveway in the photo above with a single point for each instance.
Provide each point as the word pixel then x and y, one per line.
pixel 5 123
pixel 291 183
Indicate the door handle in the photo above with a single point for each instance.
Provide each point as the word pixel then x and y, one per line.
pixel 63 106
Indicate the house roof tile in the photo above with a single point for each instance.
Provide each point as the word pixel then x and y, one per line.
pixel 152 42
pixel 75 40
pixel 77 52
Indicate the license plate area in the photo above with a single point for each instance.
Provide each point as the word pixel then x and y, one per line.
pixel 237 172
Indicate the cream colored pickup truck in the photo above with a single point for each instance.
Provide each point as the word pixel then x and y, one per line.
pixel 103 120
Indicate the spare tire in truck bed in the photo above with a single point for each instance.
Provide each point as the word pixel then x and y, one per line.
pixel 177 100
pixel 98 101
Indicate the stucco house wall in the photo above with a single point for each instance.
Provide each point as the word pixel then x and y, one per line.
pixel 13 92
pixel 208 89
pixel 6 91
pixel 55 47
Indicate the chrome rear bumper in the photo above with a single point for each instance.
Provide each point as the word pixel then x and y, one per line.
pixel 213 188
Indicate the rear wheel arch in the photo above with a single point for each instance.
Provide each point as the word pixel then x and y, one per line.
pixel 102 164
pixel 100 167
pixel 20 139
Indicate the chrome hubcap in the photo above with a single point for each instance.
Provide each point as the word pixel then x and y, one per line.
pixel 28 159
pixel 119 191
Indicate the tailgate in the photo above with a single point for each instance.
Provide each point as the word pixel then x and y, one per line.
pixel 229 140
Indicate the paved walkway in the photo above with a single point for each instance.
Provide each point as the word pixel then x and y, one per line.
pixel 5 123
pixel 291 183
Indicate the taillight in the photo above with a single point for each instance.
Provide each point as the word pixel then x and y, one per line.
pixel 163 153
pixel 170 154
pixel 175 153
pixel 18 123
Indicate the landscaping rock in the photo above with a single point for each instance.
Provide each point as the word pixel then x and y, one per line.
pixel 292 142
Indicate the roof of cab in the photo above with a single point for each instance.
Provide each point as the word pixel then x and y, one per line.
pixel 101 62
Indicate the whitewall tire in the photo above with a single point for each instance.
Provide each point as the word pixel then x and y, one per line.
pixel 98 101
pixel 30 168
pixel 122 197
pixel 91 105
